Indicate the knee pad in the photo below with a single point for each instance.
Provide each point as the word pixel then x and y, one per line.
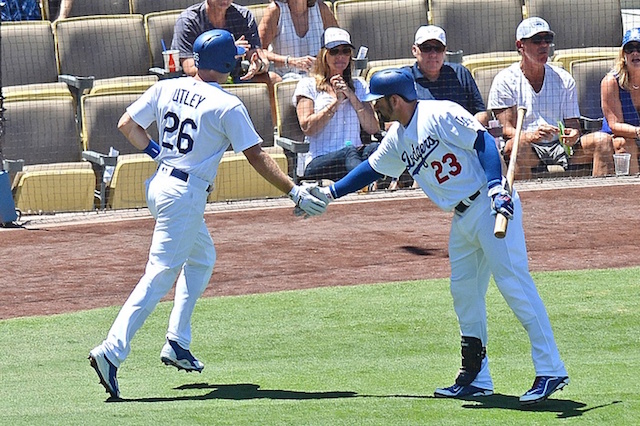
pixel 472 355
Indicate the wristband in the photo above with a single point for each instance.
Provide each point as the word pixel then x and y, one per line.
pixel 286 61
pixel 153 149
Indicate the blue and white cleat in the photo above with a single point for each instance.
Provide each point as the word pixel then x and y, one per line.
pixel 106 371
pixel 182 359
pixel 543 387
pixel 457 391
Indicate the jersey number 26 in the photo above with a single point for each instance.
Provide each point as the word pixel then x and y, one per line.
pixel 184 142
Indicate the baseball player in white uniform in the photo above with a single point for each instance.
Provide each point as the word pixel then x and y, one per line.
pixel 197 121
pixel 456 163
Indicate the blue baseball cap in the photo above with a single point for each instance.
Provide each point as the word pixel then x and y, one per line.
pixel 631 35
pixel 392 81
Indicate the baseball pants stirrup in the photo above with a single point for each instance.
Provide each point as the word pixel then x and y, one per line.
pixel 472 355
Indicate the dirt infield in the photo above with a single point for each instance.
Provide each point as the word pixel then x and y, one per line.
pixel 58 269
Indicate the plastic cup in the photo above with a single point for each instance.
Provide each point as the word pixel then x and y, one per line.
pixel 171 60
pixel 621 163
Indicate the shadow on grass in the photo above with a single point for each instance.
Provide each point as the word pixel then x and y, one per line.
pixel 564 407
pixel 244 391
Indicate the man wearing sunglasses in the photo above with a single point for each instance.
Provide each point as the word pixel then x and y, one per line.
pixel 551 127
pixel 437 79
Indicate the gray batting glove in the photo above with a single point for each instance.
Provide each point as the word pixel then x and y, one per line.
pixel 309 204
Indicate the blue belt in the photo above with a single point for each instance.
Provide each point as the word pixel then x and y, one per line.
pixel 462 206
pixel 184 176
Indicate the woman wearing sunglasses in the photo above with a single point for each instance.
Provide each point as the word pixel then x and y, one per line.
pixel 551 127
pixel 330 112
pixel 620 93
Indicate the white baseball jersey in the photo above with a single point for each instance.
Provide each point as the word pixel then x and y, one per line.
pixel 186 107
pixel 437 150
pixel 557 100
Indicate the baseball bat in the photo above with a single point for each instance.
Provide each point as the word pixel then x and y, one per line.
pixel 500 228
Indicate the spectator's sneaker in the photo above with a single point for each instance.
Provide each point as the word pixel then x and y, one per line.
pixel 543 386
pixel 106 371
pixel 173 354
pixel 457 391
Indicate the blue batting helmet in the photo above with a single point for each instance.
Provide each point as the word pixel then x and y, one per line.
pixel 216 50
pixel 393 81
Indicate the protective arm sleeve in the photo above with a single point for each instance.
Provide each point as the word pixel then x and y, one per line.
pixel 357 178
pixel 489 158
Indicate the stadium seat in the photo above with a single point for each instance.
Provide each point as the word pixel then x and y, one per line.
pixel 386 27
pixel 149 6
pixel 159 26
pixel 471 62
pixel 588 75
pixel 584 24
pixel 238 180
pixel 126 189
pixel 289 135
pixel 255 97
pixel 375 66
pixel 567 56
pixel 98 7
pixel 55 190
pixel 35 91
pixel 28 53
pixel 100 115
pixel 41 131
pixel 102 46
pixel 478 27
pixel 132 84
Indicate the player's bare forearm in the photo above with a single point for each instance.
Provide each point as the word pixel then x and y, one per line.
pixel 268 168
pixel 134 133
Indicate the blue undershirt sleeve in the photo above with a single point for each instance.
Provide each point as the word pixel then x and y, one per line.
pixel 489 158
pixel 357 179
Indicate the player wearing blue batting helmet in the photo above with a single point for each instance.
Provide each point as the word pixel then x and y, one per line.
pixel 393 81
pixel 216 50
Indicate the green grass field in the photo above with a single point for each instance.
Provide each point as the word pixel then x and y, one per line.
pixel 360 355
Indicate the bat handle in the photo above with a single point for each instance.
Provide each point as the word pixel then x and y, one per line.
pixel 500 228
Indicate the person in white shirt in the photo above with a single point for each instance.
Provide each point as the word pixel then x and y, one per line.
pixel 551 127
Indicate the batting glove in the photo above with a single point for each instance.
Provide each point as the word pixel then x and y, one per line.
pixel 501 201
pixel 306 204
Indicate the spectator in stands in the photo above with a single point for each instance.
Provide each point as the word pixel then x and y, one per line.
pixel 620 93
pixel 221 14
pixel 551 128
pixel 293 30
pixel 437 79
pixel 20 10
pixel 330 111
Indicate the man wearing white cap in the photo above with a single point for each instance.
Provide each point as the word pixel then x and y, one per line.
pixel 437 79
pixel 551 127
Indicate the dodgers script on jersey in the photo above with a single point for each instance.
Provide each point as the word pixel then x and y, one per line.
pixel 185 107
pixel 437 150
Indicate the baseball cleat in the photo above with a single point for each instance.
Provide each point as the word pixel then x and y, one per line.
pixel 543 387
pixel 182 359
pixel 457 391
pixel 106 371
